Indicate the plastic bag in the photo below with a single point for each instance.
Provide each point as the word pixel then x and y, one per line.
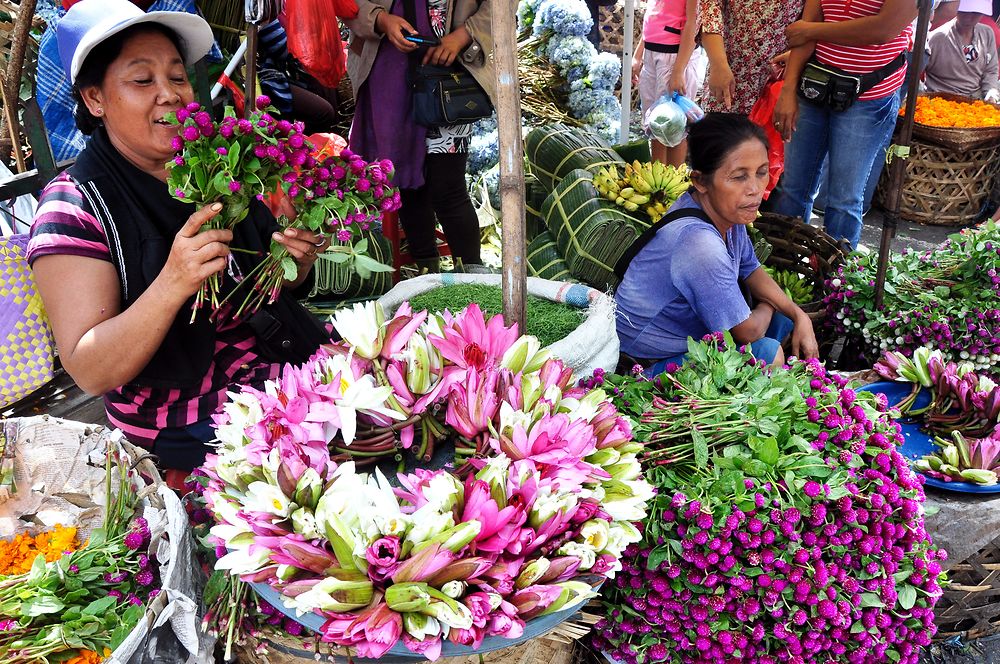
pixel 762 114
pixel 314 37
pixel 667 122
pixel 691 110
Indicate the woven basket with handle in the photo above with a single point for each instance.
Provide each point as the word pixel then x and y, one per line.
pixel 957 138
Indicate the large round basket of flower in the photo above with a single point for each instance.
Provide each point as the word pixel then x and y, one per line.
pixel 787 526
pixel 508 537
pixel 94 551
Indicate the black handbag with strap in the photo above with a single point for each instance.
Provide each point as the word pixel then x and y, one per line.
pixel 444 96
pixel 828 86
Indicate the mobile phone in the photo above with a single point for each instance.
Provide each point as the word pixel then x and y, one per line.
pixel 422 40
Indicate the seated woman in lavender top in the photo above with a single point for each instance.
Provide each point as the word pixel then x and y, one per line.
pixel 685 282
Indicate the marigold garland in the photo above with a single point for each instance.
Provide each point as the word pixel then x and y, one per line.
pixel 16 555
pixel 89 657
pixel 941 112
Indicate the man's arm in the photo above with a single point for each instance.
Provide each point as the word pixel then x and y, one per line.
pixel 880 28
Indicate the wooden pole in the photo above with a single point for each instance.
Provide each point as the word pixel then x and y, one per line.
pixel 514 280
pixel 627 49
pixel 15 65
pixel 250 102
pixel 897 167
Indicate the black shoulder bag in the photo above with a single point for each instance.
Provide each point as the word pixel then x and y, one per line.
pixel 444 96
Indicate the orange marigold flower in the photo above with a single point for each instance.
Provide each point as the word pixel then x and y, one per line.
pixel 17 555
pixel 941 112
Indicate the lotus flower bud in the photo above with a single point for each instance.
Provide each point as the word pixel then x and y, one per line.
pixel 304 523
pixel 420 626
pixel 524 356
pixel 408 597
pixel 286 572
pixel 309 488
pixel 605 457
pixel 453 539
pixel 454 589
pixel 341 537
pixel 979 476
pixel 341 590
pixel 950 454
pixel 448 611
pixel 573 593
pixel 531 573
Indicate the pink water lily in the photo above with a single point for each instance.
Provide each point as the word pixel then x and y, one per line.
pixel 471 343
pixel 472 407
pixel 383 628
pixel 424 564
pixel 498 525
pixel 399 330
pixel 555 442
pixel 429 648
pixel 532 600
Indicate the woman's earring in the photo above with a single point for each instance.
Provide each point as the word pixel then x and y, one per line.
pixel 99 111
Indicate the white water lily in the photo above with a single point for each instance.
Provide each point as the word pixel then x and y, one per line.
pixel 244 410
pixel 596 533
pixel 420 626
pixel 384 518
pixel 626 501
pixel 443 491
pixel 264 497
pixel 304 523
pixel 362 327
pixel 244 561
pixel 585 408
pixel 358 395
pixel 547 505
pixel 525 355
pixel 428 522
pixel 584 552
pixel 510 418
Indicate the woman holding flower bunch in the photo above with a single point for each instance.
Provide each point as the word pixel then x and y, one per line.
pixel 430 163
pixel 685 282
pixel 117 260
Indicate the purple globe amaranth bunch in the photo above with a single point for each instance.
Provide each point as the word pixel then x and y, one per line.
pixel 946 298
pixel 787 527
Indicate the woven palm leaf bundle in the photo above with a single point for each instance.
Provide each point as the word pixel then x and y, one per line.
pixel 554 150
pixel 342 281
pixel 545 261
pixel 591 232
pixel 534 197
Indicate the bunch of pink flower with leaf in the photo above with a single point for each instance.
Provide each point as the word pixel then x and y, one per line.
pixel 546 491
pixel 236 160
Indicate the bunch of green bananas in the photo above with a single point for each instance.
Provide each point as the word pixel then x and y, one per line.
pixel 794 284
pixel 651 186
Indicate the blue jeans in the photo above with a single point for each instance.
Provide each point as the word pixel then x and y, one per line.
pixel 765 348
pixel 853 139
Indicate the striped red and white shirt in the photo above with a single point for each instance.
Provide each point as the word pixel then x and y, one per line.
pixel 65 225
pixel 863 59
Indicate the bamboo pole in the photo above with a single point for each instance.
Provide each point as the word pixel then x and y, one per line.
pixel 12 75
pixel 897 167
pixel 514 280
pixel 627 49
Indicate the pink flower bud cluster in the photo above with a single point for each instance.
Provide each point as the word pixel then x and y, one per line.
pixel 831 563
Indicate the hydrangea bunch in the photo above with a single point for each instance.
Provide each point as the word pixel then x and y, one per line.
pixel 786 528
pixel 946 298
pixel 562 17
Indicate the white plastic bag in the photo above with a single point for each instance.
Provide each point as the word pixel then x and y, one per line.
pixel 666 121
pixel 593 345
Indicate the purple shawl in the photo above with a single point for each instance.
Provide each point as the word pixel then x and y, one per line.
pixel 383 121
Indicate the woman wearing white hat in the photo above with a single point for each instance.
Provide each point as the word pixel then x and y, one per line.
pixel 962 54
pixel 117 259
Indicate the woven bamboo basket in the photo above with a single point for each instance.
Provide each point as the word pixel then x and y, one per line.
pixel 959 139
pixel 275 650
pixel 945 187
pixel 612 26
pixel 804 249
pixel 970 605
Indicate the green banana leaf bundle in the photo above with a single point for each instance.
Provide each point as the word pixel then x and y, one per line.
pixel 534 197
pixel 591 232
pixel 545 261
pixel 554 150
pixel 342 281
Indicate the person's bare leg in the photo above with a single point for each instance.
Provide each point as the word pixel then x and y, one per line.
pixel 779 358
pixel 676 155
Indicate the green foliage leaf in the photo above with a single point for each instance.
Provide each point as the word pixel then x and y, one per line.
pixel 700 448
pixel 907 595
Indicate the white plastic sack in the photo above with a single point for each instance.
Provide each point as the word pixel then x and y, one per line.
pixel 15 214
pixel 59 478
pixel 593 345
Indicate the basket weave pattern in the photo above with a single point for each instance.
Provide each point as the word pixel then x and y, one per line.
pixel 945 187
pixel 970 605
pixel 804 249
pixel 612 27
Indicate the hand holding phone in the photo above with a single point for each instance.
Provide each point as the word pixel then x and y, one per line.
pixel 422 40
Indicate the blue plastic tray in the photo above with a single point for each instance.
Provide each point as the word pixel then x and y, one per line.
pixel 916 443
pixel 533 628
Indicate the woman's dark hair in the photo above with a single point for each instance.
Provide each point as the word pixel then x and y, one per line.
pixel 94 68
pixel 716 135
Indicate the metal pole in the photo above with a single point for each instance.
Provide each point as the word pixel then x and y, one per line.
pixel 897 166
pixel 627 48
pixel 230 68
pixel 514 281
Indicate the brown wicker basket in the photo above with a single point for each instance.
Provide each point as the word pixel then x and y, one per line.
pixel 281 651
pixel 944 187
pixel 804 249
pixel 612 27
pixel 957 138
pixel 970 605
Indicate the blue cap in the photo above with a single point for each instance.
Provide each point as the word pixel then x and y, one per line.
pixel 90 22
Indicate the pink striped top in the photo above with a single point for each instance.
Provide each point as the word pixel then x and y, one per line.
pixel 64 225
pixel 664 21
pixel 863 59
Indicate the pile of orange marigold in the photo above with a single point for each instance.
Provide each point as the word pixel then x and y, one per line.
pixel 941 112
pixel 17 555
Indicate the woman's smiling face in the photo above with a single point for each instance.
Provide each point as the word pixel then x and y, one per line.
pixel 140 87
